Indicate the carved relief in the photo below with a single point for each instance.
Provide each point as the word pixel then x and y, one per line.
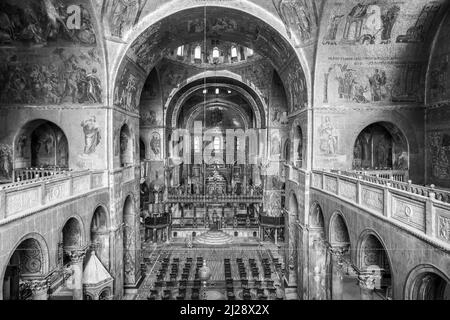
pixel 22 200
pixel 331 184
pixel 409 212
pixel 57 192
pixel 444 228
pixel 372 198
pixel 347 190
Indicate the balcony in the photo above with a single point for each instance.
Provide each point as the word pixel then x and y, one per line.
pixel 423 211
pixel 23 197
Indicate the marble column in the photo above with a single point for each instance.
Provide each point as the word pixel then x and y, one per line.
pixel 76 257
pixel 337 273
pixel 276 235
pixel 367 285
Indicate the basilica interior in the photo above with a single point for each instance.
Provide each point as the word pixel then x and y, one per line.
pixel 224 150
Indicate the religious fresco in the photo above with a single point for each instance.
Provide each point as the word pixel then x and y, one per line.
pixel 155 146
pixel 150 108
pixel 127 91
pixel 384 81
pixel 295 83
pixel 43 22
pixel 438 76
pixel 379 22
pixel 92 136
pixel 58 76
pixel 299 17
pixel 329 138
pixel 122 15
pixel 439 150
pixel 6 165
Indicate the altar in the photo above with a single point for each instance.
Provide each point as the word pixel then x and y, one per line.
pixel 216 184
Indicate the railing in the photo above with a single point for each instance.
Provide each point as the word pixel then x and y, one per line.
pixel 28 195
pixel 157 221
pixel 439 194
pixel 195 198
pixel 34 173
pixel 294 174
pixel 396 175
pixel 200 222
pixel 271 221
pixel 422 210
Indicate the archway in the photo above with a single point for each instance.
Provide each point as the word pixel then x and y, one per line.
pixel 298 146
pixel 343 279
pixel 72 235
pixel 126 146
pixel 42 145
pixel 100 235
pixel 26 266
pixel 426 282
pixel 381 146
pixel 374 267
pixel 318 255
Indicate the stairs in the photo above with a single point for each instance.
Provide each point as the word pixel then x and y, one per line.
pixel 63 293
pixel 213 238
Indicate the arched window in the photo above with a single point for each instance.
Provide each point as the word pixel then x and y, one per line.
pixel 198 53
pixel 197 144
pixel 216 53
pixel 234 53
pixel 216 143
pixel 180 51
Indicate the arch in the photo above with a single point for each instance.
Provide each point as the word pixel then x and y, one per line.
pixel 126 146
pixel 293 203
pixel 316 219
pixel 381 145
pixel 179 96
pixel 297 140
pixel 29 258
pixel 372 257
pixel 142 150
pixel 99 234
pixel 40 144
pixel 268 26
pixel 287 150
pixel 73 233
pixel 426 282
pixel 338 230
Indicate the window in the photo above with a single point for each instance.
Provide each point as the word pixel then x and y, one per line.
pixel 198 52
pixel 234 53
pixel 216 143
pixel 216 53
pixel 197 144
pixel 249 52
pixel 180 51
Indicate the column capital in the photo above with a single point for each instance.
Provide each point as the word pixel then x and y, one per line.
pixel 76 255
pixel 367 281
pixel 35 285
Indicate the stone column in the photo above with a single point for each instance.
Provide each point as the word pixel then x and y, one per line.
pixel 76 257
pixel 367 285
pixel 337 274
pixel 276 235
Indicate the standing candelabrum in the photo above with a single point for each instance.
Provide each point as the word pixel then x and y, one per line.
pixel 204 275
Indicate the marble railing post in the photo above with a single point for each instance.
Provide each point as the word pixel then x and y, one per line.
pixel 76 257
